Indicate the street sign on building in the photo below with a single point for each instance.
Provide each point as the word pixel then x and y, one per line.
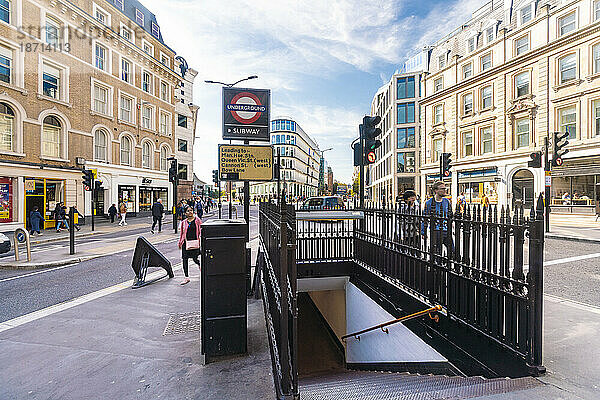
pixel 246 114
pixel 245 163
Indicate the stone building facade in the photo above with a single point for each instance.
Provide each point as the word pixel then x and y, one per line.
pixel 499 86
pixel 83 84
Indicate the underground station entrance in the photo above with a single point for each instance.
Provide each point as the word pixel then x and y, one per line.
pixel 394 303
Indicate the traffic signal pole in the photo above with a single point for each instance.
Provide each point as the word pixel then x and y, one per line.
pixel 547 185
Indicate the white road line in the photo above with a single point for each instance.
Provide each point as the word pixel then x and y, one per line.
pixel 571 259
pixel 35 315
pixel 572 303
pixel 36 273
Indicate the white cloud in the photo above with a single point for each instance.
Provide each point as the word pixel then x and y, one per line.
pixel 286 42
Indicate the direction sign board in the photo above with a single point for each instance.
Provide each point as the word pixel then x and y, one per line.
pixel 246 114
pixel 245 163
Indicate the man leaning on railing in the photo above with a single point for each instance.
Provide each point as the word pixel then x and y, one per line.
pixel 438 208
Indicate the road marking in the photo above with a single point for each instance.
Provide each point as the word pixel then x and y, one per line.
pixel 572 303
pixel 35 315
pixel 571 259
pixel 37 272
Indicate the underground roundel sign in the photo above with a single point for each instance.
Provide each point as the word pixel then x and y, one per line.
pixel 246 114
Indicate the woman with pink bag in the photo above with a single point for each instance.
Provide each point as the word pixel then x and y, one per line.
pixel 189 240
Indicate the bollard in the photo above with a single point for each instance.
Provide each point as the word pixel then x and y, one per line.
pixel 72 230
pixel 27 242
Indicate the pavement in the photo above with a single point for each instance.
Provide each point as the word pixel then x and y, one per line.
pixel 583 228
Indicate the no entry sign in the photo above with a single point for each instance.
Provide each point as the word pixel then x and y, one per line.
pixel 246 114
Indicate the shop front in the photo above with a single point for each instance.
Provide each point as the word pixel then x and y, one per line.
pixel 576 186
pixel 431 179
pixel 127 196
pixel 149 195
pixel 7 200
pixel 475 185
pixel 44 194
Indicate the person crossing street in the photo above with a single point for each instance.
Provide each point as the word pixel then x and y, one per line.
pixel 123 214
pixel 157 213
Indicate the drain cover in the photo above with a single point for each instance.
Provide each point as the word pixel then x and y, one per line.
pixel 183 323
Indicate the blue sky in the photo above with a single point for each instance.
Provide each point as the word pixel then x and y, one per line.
pixel 322 60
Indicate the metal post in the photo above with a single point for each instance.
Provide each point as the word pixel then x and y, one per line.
pixel 285 300
pixel 93 201
pixel 175 204
pixel 230 196
pixel 278 176
pixel 72 230
pixel 219 183
pixel 546 186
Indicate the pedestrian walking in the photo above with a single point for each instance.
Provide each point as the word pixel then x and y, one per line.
pixel 61 211
pixel 199 208
pixel 34 220
pixel 123 214
pixel 157 213
pixel 189 240
pixel 438 208
pixel 112 211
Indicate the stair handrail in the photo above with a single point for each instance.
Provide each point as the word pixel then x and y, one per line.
pixel 395 321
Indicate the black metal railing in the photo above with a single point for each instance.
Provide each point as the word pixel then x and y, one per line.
pixel 471 262
pixel 324 241
pixel 277 227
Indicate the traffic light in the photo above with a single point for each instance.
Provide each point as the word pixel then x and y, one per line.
pixel 215 175
pixel 536 160
pixel 445 164
pixel 173 171
pixel 88 177
pixel 369 132
pixel 357 154
pixel 97 186
pixel 560 142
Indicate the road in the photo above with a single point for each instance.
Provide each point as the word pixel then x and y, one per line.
pixel 22 292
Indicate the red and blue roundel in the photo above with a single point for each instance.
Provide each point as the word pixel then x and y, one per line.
pixel 245 107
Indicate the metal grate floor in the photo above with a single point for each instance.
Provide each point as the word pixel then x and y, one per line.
pixel 359 385
pixel 183 323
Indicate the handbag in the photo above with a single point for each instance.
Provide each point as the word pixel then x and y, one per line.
pixel 192 244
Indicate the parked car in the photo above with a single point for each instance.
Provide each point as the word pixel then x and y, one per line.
pixel 4 243
pixel 323 203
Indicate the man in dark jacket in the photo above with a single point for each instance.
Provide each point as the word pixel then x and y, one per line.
pixel 112 211
pixel 157 213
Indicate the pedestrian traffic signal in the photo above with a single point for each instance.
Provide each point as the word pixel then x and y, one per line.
pixel 369 132
pixel 445 164
pixel 173 171
pixel 357 154
pixel 560 142
pixel 215 175
pixel 88 177
pixel 536 160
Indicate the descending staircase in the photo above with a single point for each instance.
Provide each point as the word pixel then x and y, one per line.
pixel 368 385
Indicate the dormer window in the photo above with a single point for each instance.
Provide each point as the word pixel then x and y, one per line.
pixel 526 14
pixel 490 34
pixel 155 30
pixel 442 61
pixel 139 17
pixel 471 44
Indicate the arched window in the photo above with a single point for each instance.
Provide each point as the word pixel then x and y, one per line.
pixel 164 153
pixel 51 135
pixel 7 127
pixel 100 144
pixel 125 150
pixel 146 155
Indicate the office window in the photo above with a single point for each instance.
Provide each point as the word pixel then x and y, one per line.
pixel 51 81
pixel 7 127
pixel 467 140
pixel 486 140
pixel 100 145
pixel 155 30
pixel 5 64
pixel 163 158
pixel 165 124
pixel 568 121
pixel 486 97
pixel 126 34
pixel 442 61
pixel 489 34
pixel 139 17
pixel 467 103
pixel 471 44
pixel 100 99
pixel 146 82
pixel 567 67
pixel 164 91
pixel 51 135
pixel 148 48
pixel 438 84
pixel 566 24
pixel 182 121
pixel 596 10
pixel 182 171
pixel 522 133
pixel 522 45
pixel 525 14
pixel 182 145
pixel 596 58
pixel 146 155
pixel 438 114
pixel 405 138
pixel 52 31
pixel 101 17
pixel 486 61
pixel 437 150
pixel 126 71
pixel 164 60
pixel 405 87
pixel 5 11
pixel 125 150
pixel 405 113
pixel 147 117
pixel 522 84
pixel 101 57
pixel 406 162
pixel 125 109
pixel 597 117
pixel 467 70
